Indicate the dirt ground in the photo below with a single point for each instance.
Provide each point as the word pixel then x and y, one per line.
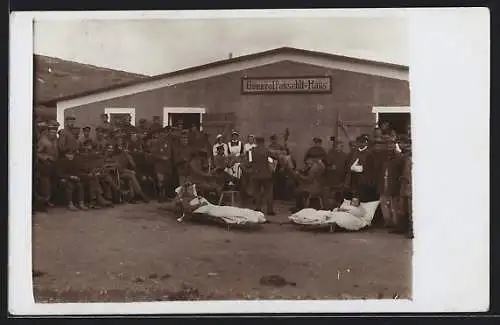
pixel 141 253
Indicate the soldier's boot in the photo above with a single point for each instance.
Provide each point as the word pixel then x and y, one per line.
pixel 92 204
pixel 103 202
pixel 71 207
pixel 82 206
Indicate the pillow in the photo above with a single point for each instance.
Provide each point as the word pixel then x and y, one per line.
pixel 370 208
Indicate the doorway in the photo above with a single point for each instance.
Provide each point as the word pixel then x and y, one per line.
pixel 399 122
pixel 399 117
pixel 187 120
pixel 187 116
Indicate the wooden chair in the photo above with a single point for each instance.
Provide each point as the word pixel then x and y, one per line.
pixel 314 196
pixel 233 195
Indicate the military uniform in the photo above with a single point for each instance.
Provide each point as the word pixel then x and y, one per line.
pixel 47 155
pixel 100 141
pixel 161 152
pixel 262 176
pixel 204 181
pixel 104 167
pixel 336 172
pixel 68 171
pixel 90 176
pixel 126 168
pixel 311 183
pixel 182 156
pixel 316 151
pixel 67 141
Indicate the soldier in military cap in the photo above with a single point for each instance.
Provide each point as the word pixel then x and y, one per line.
pixel 316 151
pixel 156 123
pixel 89 175
pixel 126 168
pixel 104 166
pixel 143 126
pixel 67 140
pixel 161 152
pixel 336 171
pixel 182 155
pixel 262 174
pixel 279 177
pixel 86 136
pixel 100 139
pixel 47 155
pixel 39 130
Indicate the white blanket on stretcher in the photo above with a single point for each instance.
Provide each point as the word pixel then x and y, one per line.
pixel 345 220
pixel 228 214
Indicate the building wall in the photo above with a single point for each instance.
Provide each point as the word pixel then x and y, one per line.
pixel 306 115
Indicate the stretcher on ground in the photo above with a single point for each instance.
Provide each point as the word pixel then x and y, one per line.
pixel 331 219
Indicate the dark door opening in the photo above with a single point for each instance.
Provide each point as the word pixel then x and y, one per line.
pixel 186 119
pixel 397 121
pixel 118 118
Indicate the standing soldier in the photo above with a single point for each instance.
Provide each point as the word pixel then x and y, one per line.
pixel 156 125
pixel 316 151
pixel 182 155
pixel 361 171
pixel 100 139
pixel 336 170
pixel 279 180
pixel 86 137
pixel 161 154
pixel 262 175
pixel 405 224
pixel 39 131
pixel 47 154
pixel 142 126
pixel 67 141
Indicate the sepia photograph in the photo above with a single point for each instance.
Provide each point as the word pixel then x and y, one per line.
pixel 232 156
pixel 245 159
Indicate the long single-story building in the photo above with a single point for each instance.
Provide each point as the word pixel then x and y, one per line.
pixel 310 93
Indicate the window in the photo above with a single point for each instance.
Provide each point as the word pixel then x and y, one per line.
pixel 119 114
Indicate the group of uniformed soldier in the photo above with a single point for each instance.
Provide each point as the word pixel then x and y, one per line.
pixel 125 163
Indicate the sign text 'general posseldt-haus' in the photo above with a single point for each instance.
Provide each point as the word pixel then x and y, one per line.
pixel 287 85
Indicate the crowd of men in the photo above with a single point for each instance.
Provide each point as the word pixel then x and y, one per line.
pixel 119 162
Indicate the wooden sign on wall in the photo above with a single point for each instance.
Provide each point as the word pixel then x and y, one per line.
pixel 294 85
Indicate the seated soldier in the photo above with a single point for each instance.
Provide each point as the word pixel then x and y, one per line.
pixel 89 176
pixel 68 171
pixel 205 182
pixel 109 186
pixel 126 169
pixel 310 183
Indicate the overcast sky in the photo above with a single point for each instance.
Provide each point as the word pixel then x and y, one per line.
pixel 158 46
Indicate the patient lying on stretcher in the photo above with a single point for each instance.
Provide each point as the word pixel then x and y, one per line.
pixel 354 208
pixel 190 204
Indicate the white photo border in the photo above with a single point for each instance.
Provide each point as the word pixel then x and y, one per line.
pixel 451 245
